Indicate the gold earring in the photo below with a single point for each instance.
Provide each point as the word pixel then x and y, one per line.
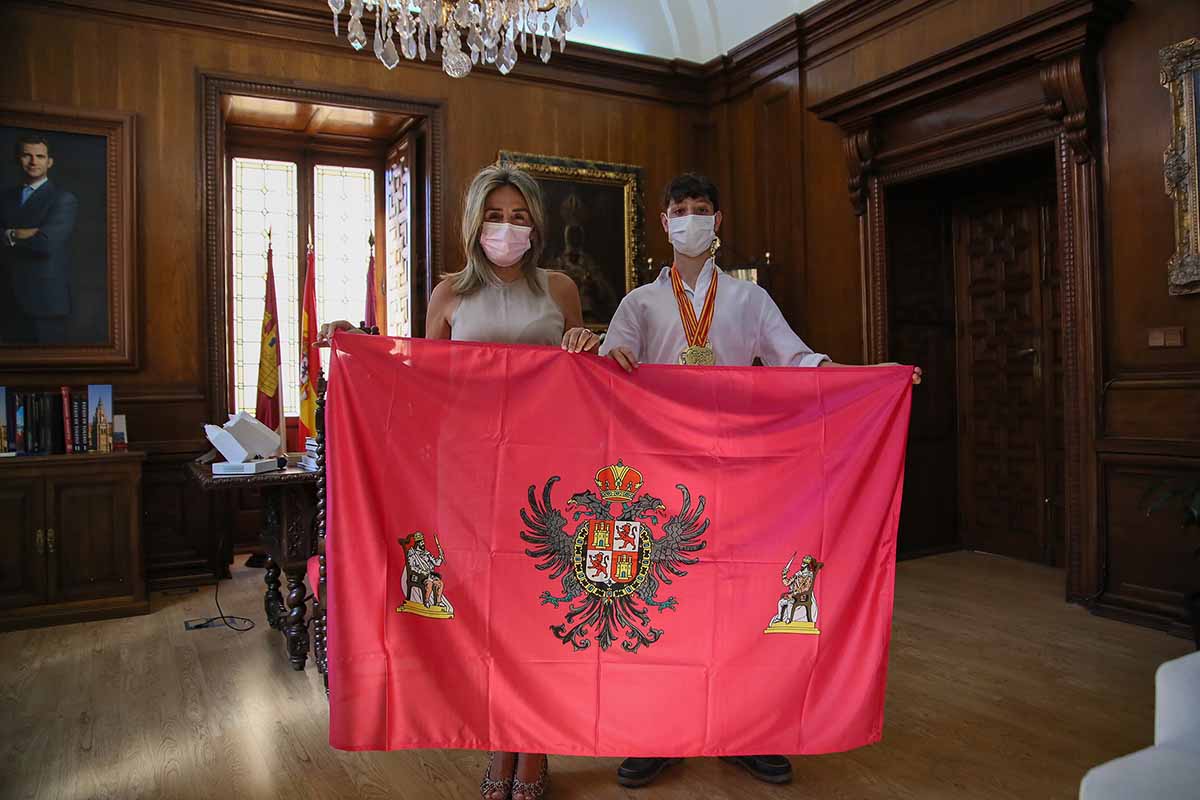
pixel 716 245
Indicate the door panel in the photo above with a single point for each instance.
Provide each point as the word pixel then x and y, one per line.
pixel 88 552
pixel 23 543
pixel 922 332
pixel 1009 368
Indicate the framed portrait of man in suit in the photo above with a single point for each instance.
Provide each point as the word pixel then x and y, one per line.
pixel 67 262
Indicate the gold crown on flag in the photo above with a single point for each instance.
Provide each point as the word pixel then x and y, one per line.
pixel 618 482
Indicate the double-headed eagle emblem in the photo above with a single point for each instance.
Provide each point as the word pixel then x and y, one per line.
pixel 612 566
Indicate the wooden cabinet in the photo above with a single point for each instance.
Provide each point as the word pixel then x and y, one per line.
pixel 71 548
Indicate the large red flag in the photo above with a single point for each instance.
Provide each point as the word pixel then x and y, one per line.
pixel 268 408
pixel 310 358
pixel 532 551
pixel 370 316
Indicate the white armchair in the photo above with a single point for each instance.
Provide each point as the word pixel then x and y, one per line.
pixel 1171 768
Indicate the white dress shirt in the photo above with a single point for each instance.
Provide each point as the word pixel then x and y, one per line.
pixel 746 324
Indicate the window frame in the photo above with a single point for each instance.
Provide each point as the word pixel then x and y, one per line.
pixel 306 153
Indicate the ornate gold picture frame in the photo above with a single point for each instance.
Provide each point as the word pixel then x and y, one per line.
pixel 1181 163
pixel 594 229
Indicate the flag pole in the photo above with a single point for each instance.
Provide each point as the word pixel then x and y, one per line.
pixel 370 313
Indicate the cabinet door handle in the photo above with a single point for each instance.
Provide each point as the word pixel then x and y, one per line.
pixel 50 541
pixel 39 542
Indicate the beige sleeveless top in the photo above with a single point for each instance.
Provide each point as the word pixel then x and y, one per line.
pixel 509 313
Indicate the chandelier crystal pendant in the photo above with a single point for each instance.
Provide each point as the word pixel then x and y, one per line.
pixel 469 31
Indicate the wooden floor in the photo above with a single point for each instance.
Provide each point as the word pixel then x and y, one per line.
pixel 997 689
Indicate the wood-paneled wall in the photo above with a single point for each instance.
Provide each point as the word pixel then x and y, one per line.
pixel 102 61
pixel 1150 427
pixel 745 118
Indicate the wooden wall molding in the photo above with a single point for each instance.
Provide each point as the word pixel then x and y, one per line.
pixel 754 62
pixel 1032 41
pixel 835 27
pixel 1069 86
pixel 860 147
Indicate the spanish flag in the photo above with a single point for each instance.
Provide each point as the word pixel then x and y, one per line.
pixel 310 359
pixel 269 408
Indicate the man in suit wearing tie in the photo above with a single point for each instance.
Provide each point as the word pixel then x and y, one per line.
pixel 37 220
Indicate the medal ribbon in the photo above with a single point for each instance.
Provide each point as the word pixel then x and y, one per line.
pixel 696 330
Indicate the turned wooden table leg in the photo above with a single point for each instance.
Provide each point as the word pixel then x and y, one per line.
pixel 294 627
pixel 273 600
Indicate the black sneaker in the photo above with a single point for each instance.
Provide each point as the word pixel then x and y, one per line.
pixel 635 772
pixel 771 769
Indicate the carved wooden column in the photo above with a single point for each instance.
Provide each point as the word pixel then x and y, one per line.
pixel 860 146
pixel 1070 92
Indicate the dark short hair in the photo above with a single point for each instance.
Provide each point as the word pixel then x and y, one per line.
pixel 31 138
pixel 691 185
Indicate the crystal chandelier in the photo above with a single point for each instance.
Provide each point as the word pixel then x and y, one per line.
pixel 488 29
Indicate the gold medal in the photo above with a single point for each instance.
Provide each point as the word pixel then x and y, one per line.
pixel 699 352
pixel 698 356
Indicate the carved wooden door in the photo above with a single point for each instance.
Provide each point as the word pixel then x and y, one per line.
pixel 1009 375
pixel 397 180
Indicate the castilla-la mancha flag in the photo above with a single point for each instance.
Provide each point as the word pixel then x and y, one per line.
pixel 530 550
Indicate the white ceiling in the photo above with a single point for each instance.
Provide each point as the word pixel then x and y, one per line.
pixel 694 30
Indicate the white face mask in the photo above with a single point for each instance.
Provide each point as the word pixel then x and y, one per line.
pixel 693 234
pixel 504 244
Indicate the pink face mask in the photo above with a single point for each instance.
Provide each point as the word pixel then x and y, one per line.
pixel 504 244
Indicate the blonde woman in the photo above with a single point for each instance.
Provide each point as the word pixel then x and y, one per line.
pixel 502 295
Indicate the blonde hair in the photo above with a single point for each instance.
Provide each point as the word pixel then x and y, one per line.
pixel 477 273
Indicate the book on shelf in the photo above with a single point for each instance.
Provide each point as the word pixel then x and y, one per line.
pixel 68 429
pixel 55 434
pixel 120 437
pixel 99 416
pixel 20 421
pixel 84 439
pixel 6 443
pixel 307 463
pixel 60 421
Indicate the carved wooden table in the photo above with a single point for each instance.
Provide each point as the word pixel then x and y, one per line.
pixel 288 535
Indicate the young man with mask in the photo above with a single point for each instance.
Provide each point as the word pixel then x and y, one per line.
pixel 694 313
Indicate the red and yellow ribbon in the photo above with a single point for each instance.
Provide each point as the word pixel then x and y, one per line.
pixel 695 329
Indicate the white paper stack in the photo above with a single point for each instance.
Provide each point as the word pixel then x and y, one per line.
pixel 243 440
pixel 251 467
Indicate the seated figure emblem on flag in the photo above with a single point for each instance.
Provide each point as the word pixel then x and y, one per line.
pixel 612 567
pixel 424 588
pixel 796 611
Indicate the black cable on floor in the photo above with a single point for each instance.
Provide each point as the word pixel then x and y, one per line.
pixel 243 623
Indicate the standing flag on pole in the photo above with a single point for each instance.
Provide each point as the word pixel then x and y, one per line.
pixel 369 316
pixel 310 359
pixel 269 408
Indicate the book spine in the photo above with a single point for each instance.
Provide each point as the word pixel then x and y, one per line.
pixel 20 420
pixel 47 419
pixel 68 427
pixel 33 413
pixel 62 426
pixel 80 436
pixel 87 429
pixel 10 420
